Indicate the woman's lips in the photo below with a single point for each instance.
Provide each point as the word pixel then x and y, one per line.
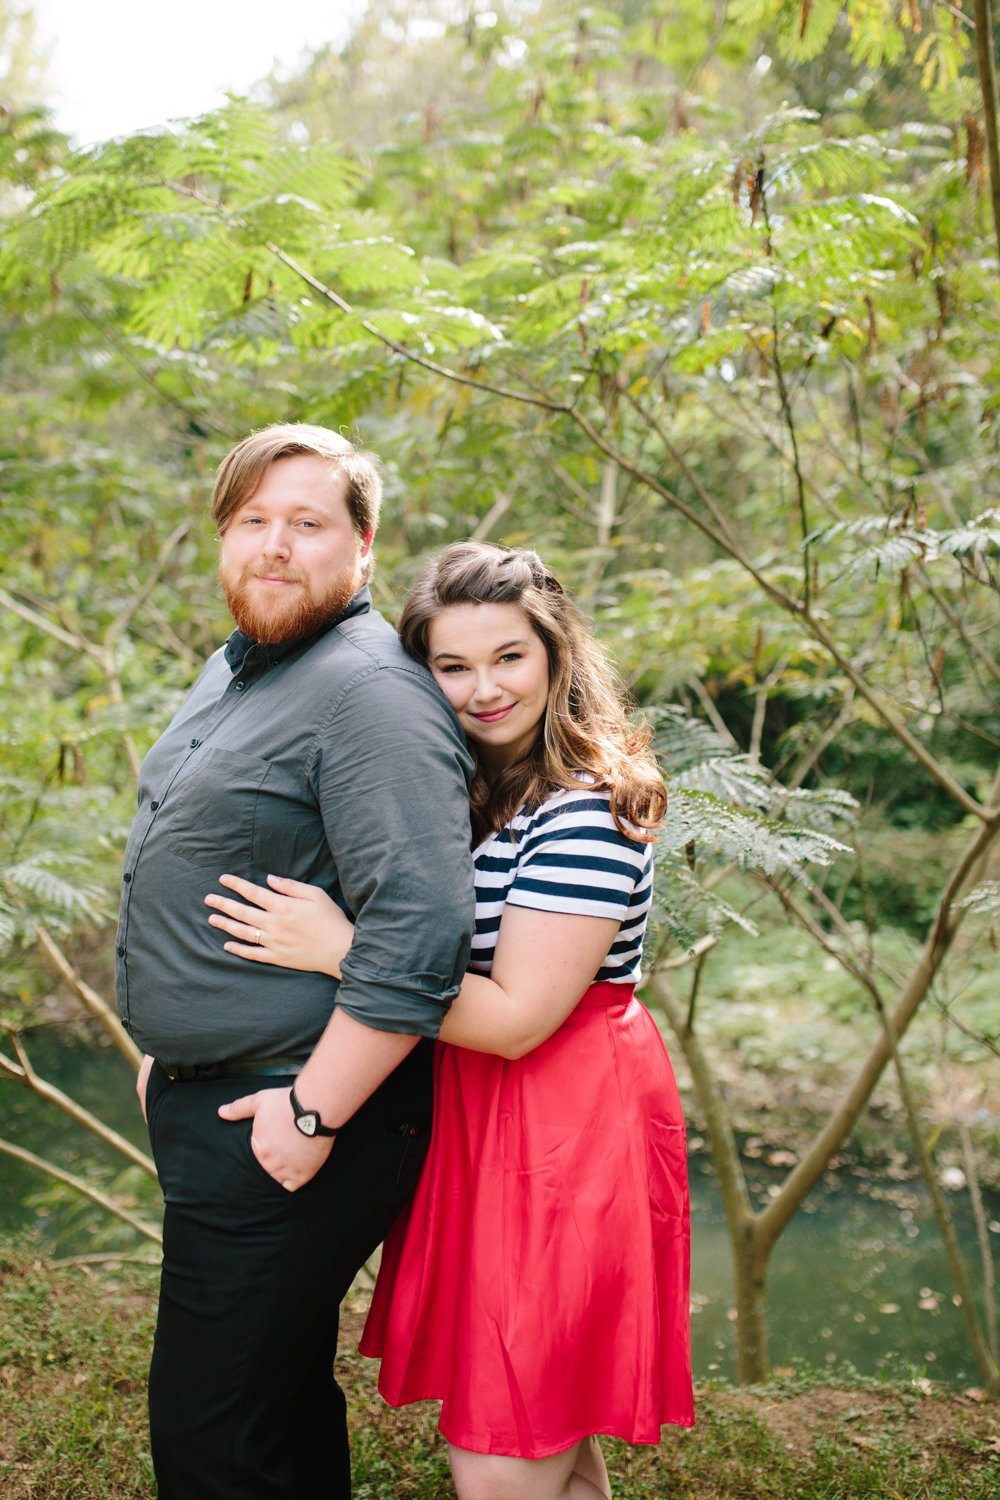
pixel 494 715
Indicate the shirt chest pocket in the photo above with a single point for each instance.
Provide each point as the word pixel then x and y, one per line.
pixel 210 810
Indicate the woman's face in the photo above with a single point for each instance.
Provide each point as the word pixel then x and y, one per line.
pixel 494 670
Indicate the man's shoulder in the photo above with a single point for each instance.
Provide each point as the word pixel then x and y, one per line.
pixel 364 645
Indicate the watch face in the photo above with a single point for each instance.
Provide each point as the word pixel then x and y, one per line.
pixel 307 1122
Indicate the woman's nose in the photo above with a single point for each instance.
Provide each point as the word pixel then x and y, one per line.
pixel 487 687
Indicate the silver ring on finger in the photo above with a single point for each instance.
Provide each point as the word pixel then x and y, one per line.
pixel 257 937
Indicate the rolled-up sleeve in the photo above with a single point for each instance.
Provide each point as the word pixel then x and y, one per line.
pixel 392 778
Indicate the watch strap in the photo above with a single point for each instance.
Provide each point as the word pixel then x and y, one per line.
pixel 308 1120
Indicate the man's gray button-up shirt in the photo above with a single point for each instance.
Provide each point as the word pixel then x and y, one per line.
pixel 335 761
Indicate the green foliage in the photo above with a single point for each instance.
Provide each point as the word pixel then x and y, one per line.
pixel 727 807
pixel 763 296
pixel 701 305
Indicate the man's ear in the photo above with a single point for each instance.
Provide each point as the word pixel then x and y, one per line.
pixel 367 537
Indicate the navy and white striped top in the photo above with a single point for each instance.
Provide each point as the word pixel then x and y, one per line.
pixel 566 856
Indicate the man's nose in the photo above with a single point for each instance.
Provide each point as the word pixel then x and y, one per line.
pixel 277 540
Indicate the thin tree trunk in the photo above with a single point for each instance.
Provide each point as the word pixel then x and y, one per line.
pixel 749 1270
pixel 985 1362
pixel 988 84
pixel 607 505
pixel 754 1235
pixel 810 1169
pixel 976 1200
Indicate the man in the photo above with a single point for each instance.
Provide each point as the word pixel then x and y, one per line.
pixel 310 747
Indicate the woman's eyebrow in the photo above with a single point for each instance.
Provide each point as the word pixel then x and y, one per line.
pixel 457 655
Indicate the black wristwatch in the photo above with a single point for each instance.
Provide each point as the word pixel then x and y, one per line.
pixel 308 1120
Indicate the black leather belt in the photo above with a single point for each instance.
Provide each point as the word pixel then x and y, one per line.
pixel 243 1067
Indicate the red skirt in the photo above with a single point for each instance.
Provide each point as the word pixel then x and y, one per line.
pixel 538 1283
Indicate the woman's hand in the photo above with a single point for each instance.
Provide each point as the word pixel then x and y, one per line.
pixel 288 923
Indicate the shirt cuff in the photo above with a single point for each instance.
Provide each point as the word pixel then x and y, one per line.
pixel 409 1004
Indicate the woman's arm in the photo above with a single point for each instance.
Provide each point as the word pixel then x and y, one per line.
pixel 543 963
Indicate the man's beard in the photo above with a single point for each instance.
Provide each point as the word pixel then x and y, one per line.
pixel 288 615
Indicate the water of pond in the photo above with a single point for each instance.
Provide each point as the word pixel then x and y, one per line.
pixel 858 1278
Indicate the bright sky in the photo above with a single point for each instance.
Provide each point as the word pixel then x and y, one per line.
pixel 119 65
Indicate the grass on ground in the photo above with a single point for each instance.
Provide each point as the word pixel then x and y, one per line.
pixel 74 1343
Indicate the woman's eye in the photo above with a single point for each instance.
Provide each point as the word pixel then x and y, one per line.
pixel 452 668
pixel 511 656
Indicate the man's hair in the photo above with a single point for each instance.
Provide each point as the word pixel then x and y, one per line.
pixel 242 470
pixel 585 732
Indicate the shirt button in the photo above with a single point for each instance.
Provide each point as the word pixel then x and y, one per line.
pixel 195 744
pixel 240 686
pixel 153 806
pixel 120 952
pixel 126 878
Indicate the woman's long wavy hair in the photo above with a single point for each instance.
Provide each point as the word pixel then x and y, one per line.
pixel 586 730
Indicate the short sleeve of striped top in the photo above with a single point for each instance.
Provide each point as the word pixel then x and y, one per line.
pixel 566 856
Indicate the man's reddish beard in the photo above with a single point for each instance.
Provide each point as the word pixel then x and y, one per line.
pixel 289 614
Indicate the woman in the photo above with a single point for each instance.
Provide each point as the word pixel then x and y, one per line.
pixel 538 1283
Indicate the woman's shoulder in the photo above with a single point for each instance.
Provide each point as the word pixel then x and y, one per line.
pixel 575 812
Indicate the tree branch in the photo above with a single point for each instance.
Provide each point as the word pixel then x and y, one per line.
pixel 138 599
pixel 7 1148
pixel 26 1075
pixel 95 1003
pixel 773 1219
pixel 42 622
pixel 719 534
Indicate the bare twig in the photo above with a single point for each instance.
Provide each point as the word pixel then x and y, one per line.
pixel 95 1003
pixel 102 655
pixel 695 985
pixel 585 509
pixel 712 714
pixel 42 622
pixel 107 1257
pixel 829 734
pixel 496 512
pixel 693 955
pixel 786 405
pixel 985 658
pixel 760 705
pixel 138 599
pixel 7 1148
pixel 26 1075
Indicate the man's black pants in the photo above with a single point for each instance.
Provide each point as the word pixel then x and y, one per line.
pixel 242 1398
